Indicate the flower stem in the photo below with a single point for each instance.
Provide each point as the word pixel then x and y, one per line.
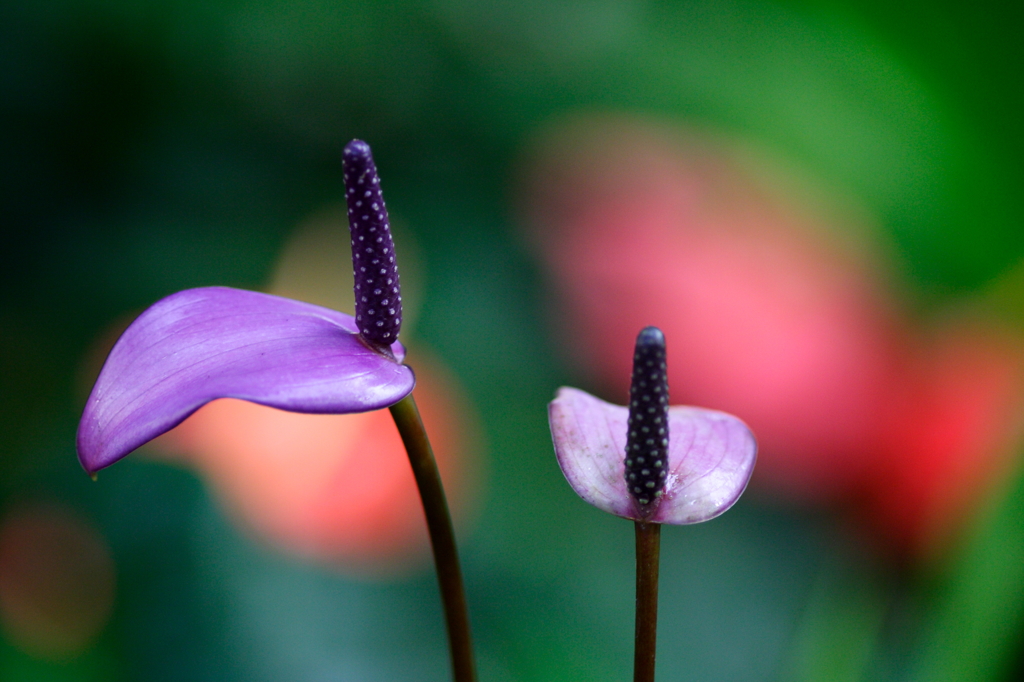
pixel 442 535
pixel 648 546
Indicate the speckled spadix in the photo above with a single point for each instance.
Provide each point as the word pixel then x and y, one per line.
pixel 648 425
pixel 375 271
pixel 710 456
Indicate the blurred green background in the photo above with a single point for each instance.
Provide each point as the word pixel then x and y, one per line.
pixel 149 147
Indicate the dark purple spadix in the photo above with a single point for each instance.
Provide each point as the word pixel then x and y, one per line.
pixel 647 438
pixel 378 294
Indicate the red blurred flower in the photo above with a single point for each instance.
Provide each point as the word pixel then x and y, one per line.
pixel 773 315
pixel 955 416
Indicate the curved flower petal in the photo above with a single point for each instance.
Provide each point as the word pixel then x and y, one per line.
pixel 201 344
pixel 711 456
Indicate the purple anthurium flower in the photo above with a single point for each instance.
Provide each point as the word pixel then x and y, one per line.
pixel 650 462
pixel 202 344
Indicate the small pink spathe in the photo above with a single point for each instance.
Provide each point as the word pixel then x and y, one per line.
pixel 711 457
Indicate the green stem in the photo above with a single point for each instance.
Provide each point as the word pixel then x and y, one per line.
pixel 648 546
pixel 442 535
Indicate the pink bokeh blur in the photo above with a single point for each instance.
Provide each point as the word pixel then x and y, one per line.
pixel 780 313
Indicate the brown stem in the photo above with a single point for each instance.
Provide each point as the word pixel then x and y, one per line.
pixel 442 535
pixel 648 546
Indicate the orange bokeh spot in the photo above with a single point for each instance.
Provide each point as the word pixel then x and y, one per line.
pixel 332 487
pixel 56 581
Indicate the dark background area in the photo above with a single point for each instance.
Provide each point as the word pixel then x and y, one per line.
pixel 147 147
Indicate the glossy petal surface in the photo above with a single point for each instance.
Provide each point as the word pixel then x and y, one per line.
pixel 202 344
pixel 711 456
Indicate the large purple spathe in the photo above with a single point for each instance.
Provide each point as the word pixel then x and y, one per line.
pixel 202 344
pixel 711 456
